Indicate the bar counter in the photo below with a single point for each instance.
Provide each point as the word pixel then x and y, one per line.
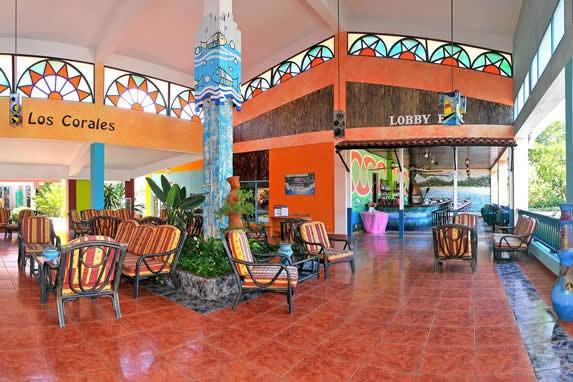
pixel 415 217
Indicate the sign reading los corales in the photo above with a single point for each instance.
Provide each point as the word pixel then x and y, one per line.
pixel 69 120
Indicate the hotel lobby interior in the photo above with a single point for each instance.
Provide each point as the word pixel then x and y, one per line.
pixel 351 96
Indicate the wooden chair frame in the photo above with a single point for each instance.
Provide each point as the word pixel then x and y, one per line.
pixel 453 250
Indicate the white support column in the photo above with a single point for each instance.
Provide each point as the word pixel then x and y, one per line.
pixel 503 175
pixel 401 212
pixel 511 170
pixel 494 196
pixel 521 176
pixel 455 180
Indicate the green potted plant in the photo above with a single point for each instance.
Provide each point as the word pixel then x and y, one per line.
pixel 237 209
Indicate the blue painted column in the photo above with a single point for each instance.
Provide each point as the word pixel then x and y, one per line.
pixel 569 130
pixel 218 77
pixel 97 177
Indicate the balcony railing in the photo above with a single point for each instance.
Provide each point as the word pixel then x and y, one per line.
pixel 546 230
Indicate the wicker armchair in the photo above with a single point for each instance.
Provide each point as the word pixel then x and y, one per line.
pixel 515 240
pixel 35 234
pixel 454 242
pixel 252 275
pixel 314 239
pixel 79 226
pixel 89 266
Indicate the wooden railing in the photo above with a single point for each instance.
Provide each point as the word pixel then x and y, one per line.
pixel 546 230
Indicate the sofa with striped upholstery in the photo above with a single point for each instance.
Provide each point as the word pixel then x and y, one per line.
pixel 251 274
pixel 151 250
pixel 516 241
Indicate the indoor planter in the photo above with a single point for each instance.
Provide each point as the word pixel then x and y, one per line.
pixel 238 203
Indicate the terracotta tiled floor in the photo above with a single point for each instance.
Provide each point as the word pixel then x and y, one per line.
pixel 394 319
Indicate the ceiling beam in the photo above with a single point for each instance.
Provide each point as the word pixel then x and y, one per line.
pixel 123 16
pixel 327 10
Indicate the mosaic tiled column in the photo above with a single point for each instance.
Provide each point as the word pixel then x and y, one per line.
pixel 218 76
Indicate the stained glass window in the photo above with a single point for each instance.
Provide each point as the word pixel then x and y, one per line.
pixel 492 62
pixel 55 79
pixel 285 71
pixel 255 87
pixel 453 55
pixel 408 49
pixel 4 84
pixel 368 45
pixel 316 56
pixel 183 106
pixel 131 91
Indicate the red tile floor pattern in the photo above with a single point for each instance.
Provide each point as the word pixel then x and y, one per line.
pixel 393 320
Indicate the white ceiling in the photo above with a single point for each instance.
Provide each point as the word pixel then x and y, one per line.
pixel 155 37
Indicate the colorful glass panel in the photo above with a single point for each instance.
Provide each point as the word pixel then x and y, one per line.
pixel 183 106
pixel 255 87
pixel 453 55
pixel 4 84
pixel 368 45
pixel 408 49
pixel 131 91
pixel 493 62
pixel 316 56
pixel 284 72
pixel 55 79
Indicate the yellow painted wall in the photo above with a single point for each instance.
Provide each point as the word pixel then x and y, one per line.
pixel 82 195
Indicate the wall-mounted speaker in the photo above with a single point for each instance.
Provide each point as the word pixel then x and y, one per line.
pixel 338 124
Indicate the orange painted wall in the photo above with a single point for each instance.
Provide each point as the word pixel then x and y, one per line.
pixel 317 159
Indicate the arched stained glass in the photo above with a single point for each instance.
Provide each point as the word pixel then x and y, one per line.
pixel 183 106
pixel 408 49
pixel 4 84
pixel 285 71
pixel 369 45
pixel 453 55
pixel 492 62
pixel 55 79
pixel 131 91
pixel 316 56
pixel 256 87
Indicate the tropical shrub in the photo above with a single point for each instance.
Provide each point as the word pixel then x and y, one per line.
pixel 50 199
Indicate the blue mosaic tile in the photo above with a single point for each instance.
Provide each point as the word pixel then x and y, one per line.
pixel 551 355
pixel 555 375
pixel 547 332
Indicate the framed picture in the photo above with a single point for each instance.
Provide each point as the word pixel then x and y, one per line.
pixel 299 184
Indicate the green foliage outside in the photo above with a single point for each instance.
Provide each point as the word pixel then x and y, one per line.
pixel 113 194
pixel 480 181
pixel 547 168
pixel 178 205
pixel 14 212
pixel 50 200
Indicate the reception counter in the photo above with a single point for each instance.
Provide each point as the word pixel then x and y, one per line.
pixel 415 217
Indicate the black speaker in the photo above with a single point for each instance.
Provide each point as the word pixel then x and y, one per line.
pixel 15 110
pixel 338 124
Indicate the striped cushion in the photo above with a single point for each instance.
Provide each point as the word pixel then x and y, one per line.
pixel 314 232
pixel 240 250
pixel 25 213
pixel 89 214
pixel 265 274
pixel 123 214
pixel 130 261
pixel 165 239
pixel 521 226
pixel 35 248
pixel 125 231
pixel 94 263
pixel 453 242
pixel 337 255
pixel 469 220
pixel 108 212
pixel 4 215
pixel 36 230
pixel 140 239
pixel 511 243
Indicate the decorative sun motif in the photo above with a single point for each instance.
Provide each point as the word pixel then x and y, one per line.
pixel 255 87
pixel 285 71
pixel 183 106
pixel 55 79
pixel 453 55
pixel 4 84
pixel 316 56
pixel 368 45
pixel 131 91
pixel 492 62
pixel 408 49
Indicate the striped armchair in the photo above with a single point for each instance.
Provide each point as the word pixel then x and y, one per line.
pixel 124 214
pixel 79 226
pixel 89 266
pixel 454 242
pixel 35 234
pixel 89 213
pixel 104 225
pixel 152 251
pixel 516 241
pixel 315 240
pixel 253 275
pixel 465 218
pixel 4 217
